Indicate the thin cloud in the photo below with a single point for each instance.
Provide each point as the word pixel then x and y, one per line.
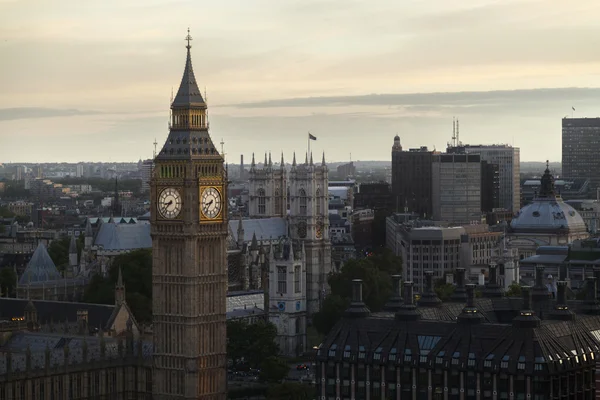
pixel 8 114
pixel 489 99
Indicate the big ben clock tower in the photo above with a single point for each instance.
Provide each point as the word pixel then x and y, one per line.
pixel 189 261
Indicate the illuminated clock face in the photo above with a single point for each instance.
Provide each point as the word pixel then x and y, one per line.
pixel 302 229
pixel 169 203
pixel 211 203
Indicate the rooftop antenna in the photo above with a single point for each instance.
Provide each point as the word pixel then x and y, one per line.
pixel 457 134
pixel 222 145
pixel 155 147
pixel 453 132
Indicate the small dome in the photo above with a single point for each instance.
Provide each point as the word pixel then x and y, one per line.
pixel 396 138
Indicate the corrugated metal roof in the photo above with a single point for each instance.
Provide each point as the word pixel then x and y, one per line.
pixel 124 237
pixel 41 268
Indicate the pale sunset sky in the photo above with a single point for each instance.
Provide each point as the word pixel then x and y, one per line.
pixel 84 80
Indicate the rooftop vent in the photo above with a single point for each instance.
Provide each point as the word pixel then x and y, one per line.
pixel 395 300
pixel 358 308
pixel 408 310
pixel 460 292
pixel 429 298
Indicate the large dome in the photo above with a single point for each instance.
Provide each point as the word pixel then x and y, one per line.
pixel 548 212
pixel 548 215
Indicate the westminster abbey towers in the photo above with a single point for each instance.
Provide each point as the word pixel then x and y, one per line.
pixel 304 191
pixel 189 261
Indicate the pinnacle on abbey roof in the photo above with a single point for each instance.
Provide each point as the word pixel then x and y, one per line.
pixel 189 94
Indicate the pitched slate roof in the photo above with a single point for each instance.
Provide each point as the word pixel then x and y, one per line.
pixel 56 311
pixel 188 93
pixel 41 268
pixel 121 237
pixel 263 228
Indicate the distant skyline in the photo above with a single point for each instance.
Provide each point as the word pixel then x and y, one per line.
pixel 91 81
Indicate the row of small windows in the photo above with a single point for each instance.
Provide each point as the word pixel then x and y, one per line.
pixel 184 140
pixel 172 171
pixel 193 151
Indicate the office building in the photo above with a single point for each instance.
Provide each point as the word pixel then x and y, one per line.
pixel 580 149
pixel 509 170
pixel 456 188
pixel 146 174
pixel 411 179
pixel 490 187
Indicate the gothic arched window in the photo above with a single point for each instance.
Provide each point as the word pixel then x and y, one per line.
pixel 318 200
pixel 278 203
pixel 262 201
pixel 303 200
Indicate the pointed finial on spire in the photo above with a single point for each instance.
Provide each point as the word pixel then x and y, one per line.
pixel 265 163
pixel 253 163
pixel 120 278
pixel 282 163
pixel 270 162
pixel 306 158
pixel 188 38
pixel 294 161
pixel 311 159
pixel 323 161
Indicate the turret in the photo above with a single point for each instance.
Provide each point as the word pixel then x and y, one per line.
pixel 240 233
pixel 120 289
pixel 73 256
pixel 89 235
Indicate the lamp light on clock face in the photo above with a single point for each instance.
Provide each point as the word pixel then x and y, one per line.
pixel 169 203
pixel 211 203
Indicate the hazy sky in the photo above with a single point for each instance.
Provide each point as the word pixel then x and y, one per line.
pixel 91 80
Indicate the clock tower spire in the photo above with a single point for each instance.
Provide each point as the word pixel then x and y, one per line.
pixel 189 260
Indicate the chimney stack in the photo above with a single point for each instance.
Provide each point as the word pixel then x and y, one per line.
pixel 539 291
pixel 408 310
pixel 429 297
pixel 470 314
pixel 561 310
pixel 526 317
pixel 460 293
pixel 493 289
pixel 358 308
pixel 395 300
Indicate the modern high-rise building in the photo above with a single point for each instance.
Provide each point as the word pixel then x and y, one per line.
pixel 456 188
pixel 146 174
pixel 79 171
pixel 490 187
pixel 189 259
pixel 509 170
pixel 580 149
pixel 411 179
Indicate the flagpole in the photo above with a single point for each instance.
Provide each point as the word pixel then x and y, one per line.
pixel 308 155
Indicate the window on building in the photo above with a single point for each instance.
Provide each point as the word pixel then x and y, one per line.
pixel 318 199
pixel 278 209
pixel 303 201
pixel 281 280
pixel 262 201
pixel 297 279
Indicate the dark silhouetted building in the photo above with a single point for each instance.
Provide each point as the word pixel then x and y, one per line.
pixel 376 196
pixel 411 179
pixel 580 149
pixel 490 186
pixel 492 347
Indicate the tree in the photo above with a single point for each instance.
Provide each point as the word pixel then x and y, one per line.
pixel 330 313
pixel 249 344
pixel 6 213
pixel 291 391
pixel 375 272
pixel 444 290
pixel 273 369
pixel 136 267
pixel 59 252
pixel 514 290
pixel 8 279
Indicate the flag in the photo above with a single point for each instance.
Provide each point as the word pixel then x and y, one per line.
pixel 573 108
pixel 311 137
